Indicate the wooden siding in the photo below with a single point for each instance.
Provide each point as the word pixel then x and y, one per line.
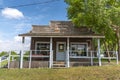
pixel 55 40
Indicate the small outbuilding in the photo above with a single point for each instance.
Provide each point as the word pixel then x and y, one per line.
pixel 62 44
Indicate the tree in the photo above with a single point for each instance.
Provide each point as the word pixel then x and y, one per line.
pixel 27 53
pixel 100 15
pixel 3 53
pixel 115 20
pixel 13 53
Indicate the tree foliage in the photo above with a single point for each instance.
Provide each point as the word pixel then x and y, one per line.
pixel 99 15
pixel 3 53
pixel 13 53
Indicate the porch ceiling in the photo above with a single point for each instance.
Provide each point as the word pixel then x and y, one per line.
pixel 62 35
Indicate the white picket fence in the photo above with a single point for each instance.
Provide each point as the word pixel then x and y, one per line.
pixel 92 55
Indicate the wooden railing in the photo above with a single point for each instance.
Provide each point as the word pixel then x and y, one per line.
pixel 94 55
pixel 49 55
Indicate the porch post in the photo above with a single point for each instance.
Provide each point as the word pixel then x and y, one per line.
pixel 21 54
pixel 91 54
pixel 30 57
pixel 117 57
pixel 51 54
pixel 9 59
pixel 68 60
pixel 99 57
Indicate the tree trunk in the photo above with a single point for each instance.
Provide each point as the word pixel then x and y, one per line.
pixel 118 38
pixel 107 52
pixel 119 49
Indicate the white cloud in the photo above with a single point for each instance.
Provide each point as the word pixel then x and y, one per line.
pixel 14 45
pixel 12 13
pixel 17 39
pixel 0 41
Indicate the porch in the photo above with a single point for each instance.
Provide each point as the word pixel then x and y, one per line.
pixel 61 41
pixel 71 51
pixel 46 61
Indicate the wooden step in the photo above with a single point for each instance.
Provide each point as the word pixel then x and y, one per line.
pixel 59 64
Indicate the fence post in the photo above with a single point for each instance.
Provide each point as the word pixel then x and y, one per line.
pixel 0 62
pixel 30 57
pixel 117 57
pixel 9 59
pixel 91 59
pixel 52 59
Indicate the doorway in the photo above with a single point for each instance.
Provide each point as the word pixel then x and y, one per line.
pixel 61 51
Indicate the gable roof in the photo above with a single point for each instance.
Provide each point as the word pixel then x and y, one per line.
pixel 61 29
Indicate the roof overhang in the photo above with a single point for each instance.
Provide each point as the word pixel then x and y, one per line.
pixel 62 36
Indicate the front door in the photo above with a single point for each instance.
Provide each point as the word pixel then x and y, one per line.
pixel 61 51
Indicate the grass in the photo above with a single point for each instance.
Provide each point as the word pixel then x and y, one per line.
pixel 78 73
pixel 3 63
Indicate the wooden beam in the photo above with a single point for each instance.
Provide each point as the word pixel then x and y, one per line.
pixel 51 53
pixel 30 59
pixel 68 58
pixel 99 55
pixel 22 55
pixel 21 59
pixel 91 54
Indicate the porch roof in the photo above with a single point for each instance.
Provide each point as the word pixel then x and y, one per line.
pixel 62 35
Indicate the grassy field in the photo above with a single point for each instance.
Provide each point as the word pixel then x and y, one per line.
pixel 78 73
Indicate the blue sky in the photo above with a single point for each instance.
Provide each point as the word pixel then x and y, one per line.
pixel 16 20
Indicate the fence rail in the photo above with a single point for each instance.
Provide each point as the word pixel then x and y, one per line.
pixel 3 61
pixel 46 58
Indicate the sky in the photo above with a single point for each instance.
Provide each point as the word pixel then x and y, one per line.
pixel 18 20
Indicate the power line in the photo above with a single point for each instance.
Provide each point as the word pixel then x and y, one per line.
pixel 50 1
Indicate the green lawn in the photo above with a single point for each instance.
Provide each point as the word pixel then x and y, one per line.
pixel 78 73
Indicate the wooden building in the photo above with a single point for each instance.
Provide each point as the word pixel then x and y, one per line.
pixel 62 42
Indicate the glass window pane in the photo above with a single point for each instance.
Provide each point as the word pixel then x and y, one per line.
pixel 43 48
pixel 61 47
pixel 79 49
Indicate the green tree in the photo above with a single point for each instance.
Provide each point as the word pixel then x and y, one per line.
pixel 13 53
pixel 115 20
pixel 100 15
pixel 27 53
pixel 3 53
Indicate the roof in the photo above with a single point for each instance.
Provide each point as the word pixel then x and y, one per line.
pixel 61 29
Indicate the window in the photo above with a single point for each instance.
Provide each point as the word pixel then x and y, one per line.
pixel 61 47
pixel 42 48
pixel 78 49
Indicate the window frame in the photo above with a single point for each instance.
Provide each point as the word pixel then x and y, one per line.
pixel 41 43
pixel 83 43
